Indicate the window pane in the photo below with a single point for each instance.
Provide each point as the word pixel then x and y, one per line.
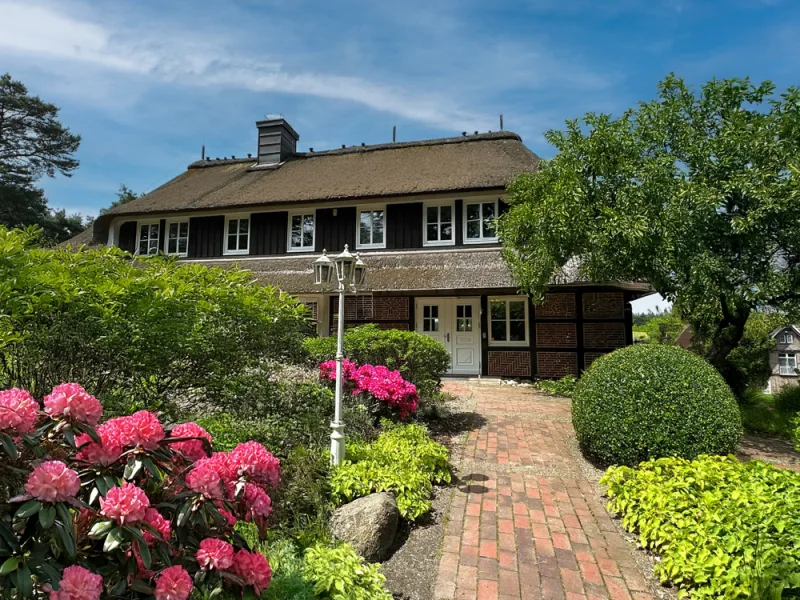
pixel 447 232
pixel 426 312
pixel 182 246
pixel 460 311
pixel 173 231
pixel 242 242
pixel 468 310
pixel 435 311
pixel 426 324
pixel 517 331
pixel 143 247
pixel 244 225
pixel 184 229
pixel 446 214
pixel 296 222
pixel 308 223
pixel 377 227
pixel 473 212
pixel 308 238
pixel 433 232
pixel 231 242
pixel 516 310
pixel 498 331
pixel 473 229
pixel 143 232
pixel 153 247
pixel 365 227
pixel 433 216
pixel 172 246
pixel 488 211
pixel 295 239
pixel 232 225
pixel 498 310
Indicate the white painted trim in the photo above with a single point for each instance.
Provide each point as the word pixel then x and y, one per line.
pixel 480 240
pixel 178 220
pixel 438 204
pixel 238 251
pixel 793 357
pixel 371 208
pixel 294 213
pixel 526 343
pixel 139 225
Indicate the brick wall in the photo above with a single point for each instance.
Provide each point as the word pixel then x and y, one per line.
pixel 556 306
pixel 603 305
pixel 603 335
pixel 556 335
pixel 590 357
pixel 391 308
pixel 556 364
pixel 509 363
pixel 356 308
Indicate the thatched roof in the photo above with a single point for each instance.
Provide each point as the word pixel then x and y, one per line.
pixel 475 162
pixel 400 271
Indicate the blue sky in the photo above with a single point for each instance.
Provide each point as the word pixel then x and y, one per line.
pixel 146 83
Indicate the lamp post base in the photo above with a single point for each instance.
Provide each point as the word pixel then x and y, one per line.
pixel 337 443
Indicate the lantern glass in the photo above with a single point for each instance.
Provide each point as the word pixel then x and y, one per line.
pixel 345 263
pixel 323 270
pixel 359 272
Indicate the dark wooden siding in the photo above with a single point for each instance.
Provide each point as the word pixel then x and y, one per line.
pixel 334 232
pixel 404 225
pixel 127 236
pixel 162 235
pixel 459 208
pixel 268 232
pixel 205 236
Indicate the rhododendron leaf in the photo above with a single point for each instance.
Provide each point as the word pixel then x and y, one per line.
pixel 94 495
pixel 151 468
pixel 9 446
pixel 10 565
pixel 31 507
pixel 183 512
pixel 64 515
pixel 140 586
pixel 24 581
pixel 101 486
pixel 144 552
pixel 50 572
pixel 163 556
pixel 110 482
pixel 69 436
pixel 88 430
pixel 133 468
pixel 47 516
pixel 113 540
pixel 119 588
pixel 100 529
pixel 216 592
pixel 67 541
pixel 249 594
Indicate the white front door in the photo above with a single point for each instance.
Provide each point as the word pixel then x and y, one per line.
pixel 455 322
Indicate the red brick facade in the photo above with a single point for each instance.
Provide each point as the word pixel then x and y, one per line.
pixel 603 305
pixel 556 364
pixel 590 357
pixel 391 308
pixel 604 335
pixel 509 363
pixel 556 306
pixel 556 335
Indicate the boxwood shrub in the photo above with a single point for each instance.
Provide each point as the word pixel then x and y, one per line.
pixel 653 401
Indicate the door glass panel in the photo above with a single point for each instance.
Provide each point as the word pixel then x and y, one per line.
pixel 464 317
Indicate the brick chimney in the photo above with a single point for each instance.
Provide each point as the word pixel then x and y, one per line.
pixel 277 140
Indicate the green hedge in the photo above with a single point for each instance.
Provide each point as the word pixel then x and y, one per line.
pixel 652 401
pixel 724 529
pixel 421 360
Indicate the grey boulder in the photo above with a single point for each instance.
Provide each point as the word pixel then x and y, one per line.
pixel 368 524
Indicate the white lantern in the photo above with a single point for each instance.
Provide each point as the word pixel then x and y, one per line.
pixel 359 272
pixel 345 264
pixel 323 271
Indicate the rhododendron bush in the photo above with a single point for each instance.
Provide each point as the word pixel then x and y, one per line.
pixel 126 509
pixel 377 382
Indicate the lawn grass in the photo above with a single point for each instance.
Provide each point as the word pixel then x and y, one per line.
pixel 760 416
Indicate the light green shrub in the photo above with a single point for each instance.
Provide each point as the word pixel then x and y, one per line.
pixel 420 360
pixel 403 460
pixel 788 399
pixel 724 529
pixel 652 401
pixel 559 387
pixel 339 573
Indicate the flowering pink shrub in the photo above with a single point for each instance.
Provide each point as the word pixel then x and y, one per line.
pixel 126 510
pixel 388 387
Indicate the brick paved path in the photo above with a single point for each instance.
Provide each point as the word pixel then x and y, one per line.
pixel 525 522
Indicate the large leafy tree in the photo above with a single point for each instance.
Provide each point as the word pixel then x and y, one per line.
pixel 124 195
pixel 33 144
pixel 696 193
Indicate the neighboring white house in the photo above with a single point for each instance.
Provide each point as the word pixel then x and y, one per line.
pixel 783 358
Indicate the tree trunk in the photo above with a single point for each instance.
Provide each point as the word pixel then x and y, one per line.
pixel 726 337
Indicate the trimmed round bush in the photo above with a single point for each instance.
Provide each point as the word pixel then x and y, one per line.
pixel 654 401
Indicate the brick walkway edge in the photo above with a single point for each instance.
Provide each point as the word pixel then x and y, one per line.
pixel 524 521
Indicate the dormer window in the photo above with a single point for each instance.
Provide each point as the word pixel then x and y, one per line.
pixel 177 238
pixel 371 225
pixel 148 239
pixel 479 222
pixel 237 238
pixel 787 364
pixel 301 231
pixel 438 225
pixel 787 338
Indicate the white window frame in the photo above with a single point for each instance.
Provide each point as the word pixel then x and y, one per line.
pixel 177 222
pixel 438 205
pixel 482 239
pixel 238 251
pixel 371 208
pixel 301 214
pixel 507 299
pixel 148 223
pixel 787 338
pixel 791 364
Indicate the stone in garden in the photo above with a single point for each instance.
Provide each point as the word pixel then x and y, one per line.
pixel 368 524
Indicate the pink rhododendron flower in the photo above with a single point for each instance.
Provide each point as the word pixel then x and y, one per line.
pixel 227 515
pixel 154 518
pixel 142 428
pixel 173 583
pixel 214 554
pixel 18 411
pixel 193 449
pixel 253 568
pixel 53 481
pixel 105 453
pixel 125 504
pixel 252 459
pixel 209 476
pixel 256 500
pixel 72 402
pixel 78 583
